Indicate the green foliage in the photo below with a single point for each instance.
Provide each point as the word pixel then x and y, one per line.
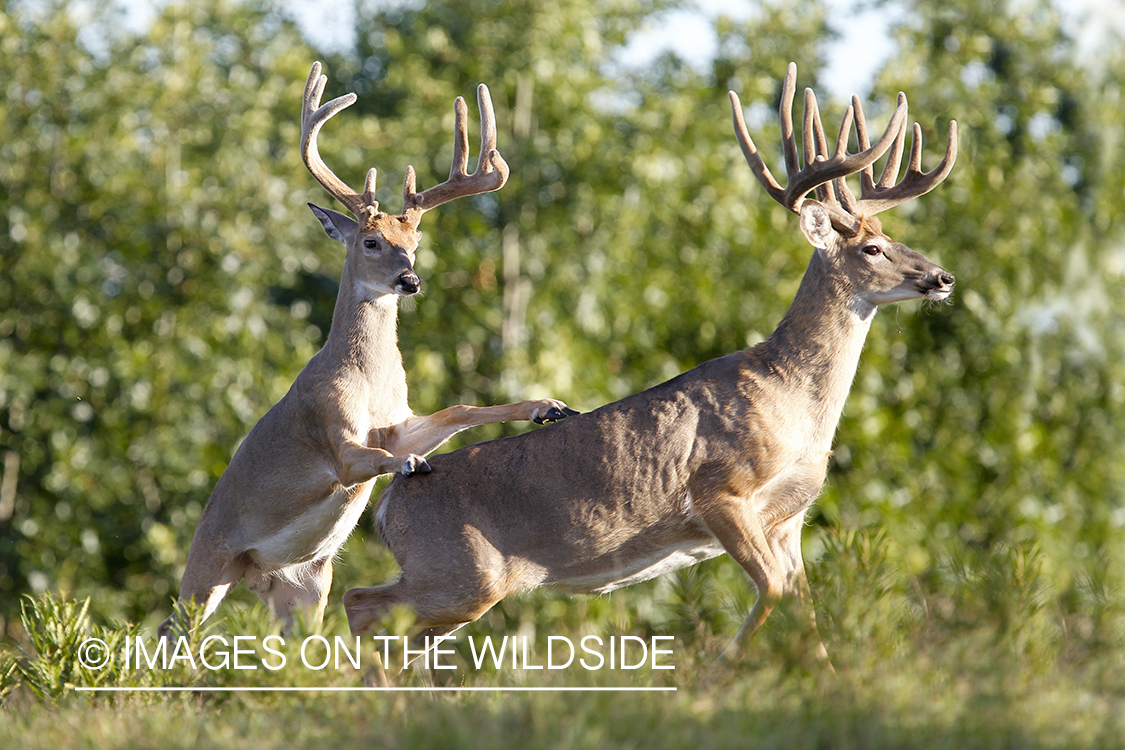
pixel 1001 416
pixel 143 193
pixel 63 656
pixel 933 694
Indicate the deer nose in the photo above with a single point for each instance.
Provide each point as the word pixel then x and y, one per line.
pixel 408 283
pixel 938 280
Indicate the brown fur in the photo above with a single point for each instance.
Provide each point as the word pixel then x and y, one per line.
pixel 725 458
pixel 298 483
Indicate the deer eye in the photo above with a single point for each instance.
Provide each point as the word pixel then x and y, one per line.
pixel 872 250
pixel 370 243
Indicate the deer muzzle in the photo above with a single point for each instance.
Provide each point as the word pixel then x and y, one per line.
pixel 408 283
pixel 937 285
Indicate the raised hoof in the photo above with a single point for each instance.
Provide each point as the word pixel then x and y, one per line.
pixel 555 414
pixel 415 465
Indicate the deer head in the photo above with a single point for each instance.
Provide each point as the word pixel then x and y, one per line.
pixel 381 246
pixel 844 229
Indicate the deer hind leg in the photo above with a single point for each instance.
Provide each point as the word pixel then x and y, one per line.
pixel 365 607
pixel 207 579
pixel 302 588
pixel 439 611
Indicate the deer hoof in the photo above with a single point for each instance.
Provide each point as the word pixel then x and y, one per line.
pixel 554 414
pixel 415 465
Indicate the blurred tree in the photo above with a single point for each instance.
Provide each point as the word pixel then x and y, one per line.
pixel 594 273
pixel 149 206
pixel 999 421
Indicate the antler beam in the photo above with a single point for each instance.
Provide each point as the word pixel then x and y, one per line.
pixel 491 172
pixel 878 197
pixel 313 117
pixel 826 174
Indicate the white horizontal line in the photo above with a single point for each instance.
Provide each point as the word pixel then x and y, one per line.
pixel 502 689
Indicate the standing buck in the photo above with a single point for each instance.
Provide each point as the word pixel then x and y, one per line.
pixel 727 457
pixel 297 485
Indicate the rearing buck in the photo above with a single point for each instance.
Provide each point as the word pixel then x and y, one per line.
pixel 727 457
pixel 298 483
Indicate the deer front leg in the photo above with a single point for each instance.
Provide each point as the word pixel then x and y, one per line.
pixel 732 521
pixel 786 538
pixel 423 434
pixel 359 463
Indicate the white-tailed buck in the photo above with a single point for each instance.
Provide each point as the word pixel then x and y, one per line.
pixel 300 480
pixel 727 457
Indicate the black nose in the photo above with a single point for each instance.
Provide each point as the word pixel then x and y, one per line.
pixel 409 283
pixel 940 281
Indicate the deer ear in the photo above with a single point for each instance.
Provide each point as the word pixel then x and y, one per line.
pixel 816 224
pixel 336 225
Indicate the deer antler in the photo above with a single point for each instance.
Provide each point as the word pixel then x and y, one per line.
pixel 491 172
pixel 826 174
pixel 313 117
pixel 877 197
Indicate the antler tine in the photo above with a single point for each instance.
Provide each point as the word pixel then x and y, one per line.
pixel 815 142
pixel 886 194
pixel 785 112
pixel 460 164
pixel 820 170
pixel 491 173
pixel 750 151
pixel 369 189
pixel 833 193
pixel 894 156
pixel 816 147
pixel 313 117
pixel 866 176
pixel 488 133
pixel 836 193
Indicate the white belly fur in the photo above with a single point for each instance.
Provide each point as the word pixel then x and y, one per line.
pixel 317 533
pixel 688 552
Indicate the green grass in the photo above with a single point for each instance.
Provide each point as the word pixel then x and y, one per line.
pixel 983 650
pixel 940 699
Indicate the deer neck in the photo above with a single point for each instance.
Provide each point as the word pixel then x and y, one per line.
pixel 364 333
pixel 815 350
